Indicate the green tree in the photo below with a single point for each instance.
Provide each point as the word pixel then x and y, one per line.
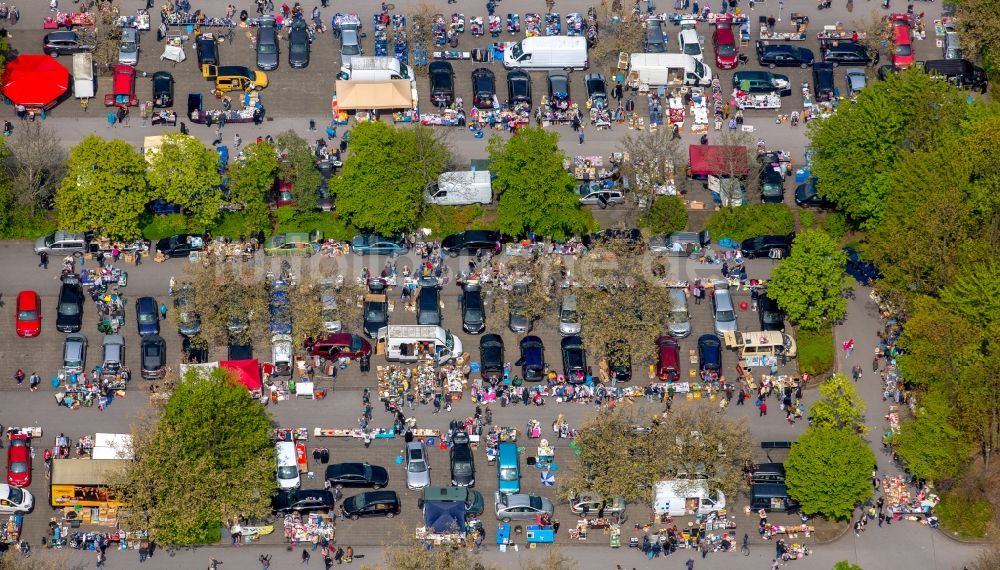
pixel 377 190
pixel 857 150
pixel 207 459
pixel 299 165
pixel 668 214
pixel 828 471
pixel 839 407
pixel 185 172
pixel 808 285
pixel 536 193
pixel 750 221
pixel 975 293
pixel 8 212
pixel 104 188
pixel 845 565
pixel 937 343
pixel 980 27
pixel 931 446
pixel 251 180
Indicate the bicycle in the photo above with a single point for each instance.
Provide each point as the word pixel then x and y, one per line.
pixel 745 549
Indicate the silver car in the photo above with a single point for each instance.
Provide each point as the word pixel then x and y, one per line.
pixel 75 353
pixel 521 507
pixel 128 48
pixel 418 472
pixel 350 44
pixel 267 44
pixel 856 80
pixel 328 306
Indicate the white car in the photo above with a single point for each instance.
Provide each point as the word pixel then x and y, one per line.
pixel 128 48
pixel 282 354
pixel 856 80
pixel 418 472
pixel 521 507
pixel 689 42
pixel 14 500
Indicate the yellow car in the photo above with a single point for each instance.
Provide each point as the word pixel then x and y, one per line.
pixel 236 77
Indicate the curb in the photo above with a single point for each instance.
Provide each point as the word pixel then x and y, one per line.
pixel 961 540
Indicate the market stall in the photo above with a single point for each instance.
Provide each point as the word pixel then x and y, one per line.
pixel 301 529
pixel 35 81
pixel 252 111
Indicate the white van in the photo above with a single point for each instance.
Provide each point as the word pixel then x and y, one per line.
pixel 461 188
pixel 547 52
pixel 412 343
pixel 668 69
pixel 376 68
pixel 288 467
pixel 686 497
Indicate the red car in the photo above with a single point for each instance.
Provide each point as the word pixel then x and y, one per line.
pixel 123 94
pixel 28 315
pixel 668 359
pixel 727 54
pixel 341 345
pixel 19 460
pixel 283 194
pixel 902 53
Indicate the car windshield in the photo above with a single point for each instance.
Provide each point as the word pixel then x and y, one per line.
pixel 484 85
pixel 678 316
pixel 128 47
pixel 349 49
pixel 151 350
pixel 147 318
pixel 904 50
pixel 772 189
pixel 574 358
pixel 771 316
pixel 299 46
pixel 725 316
pixel 376 311
pixel 440 79
pixel 462 467
pixel 288 472
pixel 26 315
pixel 19 467
pixel 727 50
pixel 535 502
pixel 516 50
pixel 692 49
pixel 492 353
pixel 15 495
pixel 570 317
pixel 417 466
pixel 699 69
pixel 508 474
pixel 356 344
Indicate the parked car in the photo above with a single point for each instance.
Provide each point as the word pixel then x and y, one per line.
pixel 491 356
pixel 429 306
pixel 328 306
pixel 350 43
pixel 69 310
pixel 848 52
pixel 61 243
pixel 163 89
pixel 195 353
pixel 418 472
pixel 280 313
pixel 823 85
pixel 375 311
pixel 619 356
pixel 292 243
pixel 532 361
pixel 772 185
pixel 473 309
pixel 64 42
pixel 188 321
pixel 902 53
pixel 341 345
pixel 19 460
pixel 207 52
pixel 153 350
pixel 340 475
pixel 74 353
pixel 147 316
pixel 374 244
pixel 596 194
pixel 762 246
pixel 856 80
pixel 559 90
pixel 372 503
pixel 689 43
pixel 519 86
pixel 298 45
pixel 668 357
pixel 727 55
pixel 656 37
pixel 267 43
pixel 518 318
pixel 592 503
pixel 179 245
pixel 442 83
pixel 574 359
pixel 484 88
pixel 470 241
pixel 123 87
pixel 783 55
pixel 762 82
pixel 14 500
pixel 772 318
pixel 128 47
pixel 864 271
pixel 709 353
pixel 597 90
pixel 28 314
pixel 807 195
pixel 302 501
pixel 472 499
pixel 521 507
pixel 463 465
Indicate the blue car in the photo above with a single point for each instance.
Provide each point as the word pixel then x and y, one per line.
pixel 281 312
pixel 863 271
pixel 147 316
pixel 710 353
pixel 373 244
pixel 532 360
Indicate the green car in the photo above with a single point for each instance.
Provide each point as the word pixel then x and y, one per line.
pixel 293 243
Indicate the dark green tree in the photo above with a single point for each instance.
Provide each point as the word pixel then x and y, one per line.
pixel 298 165
pixel 668 214
pixel 183 171
pixel 536 193
pixel 828 471
pixel 808 284
pixel 250 181
pixel 932 447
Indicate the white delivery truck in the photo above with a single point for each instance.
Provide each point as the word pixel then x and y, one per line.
pixel 667 69
pixel 376 68
pixel 460 188
pixel 547 52
pixel 412 343
pixel 83 75
pixel 682 497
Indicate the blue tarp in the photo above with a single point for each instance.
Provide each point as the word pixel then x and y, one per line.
pixel 444 516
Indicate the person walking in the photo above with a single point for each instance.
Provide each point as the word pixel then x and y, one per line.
pixel 581 134
pixel 689 564
pixel 19 376
pixel 143 551
pixel 43 260
pixel 305 557
pixel 763 409
pixel 34 380
pixel 101 559
pixel 138 258
pixel 265 561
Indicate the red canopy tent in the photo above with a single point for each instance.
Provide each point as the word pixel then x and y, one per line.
pixel 35 81
pixel 718 160
pixel 247 373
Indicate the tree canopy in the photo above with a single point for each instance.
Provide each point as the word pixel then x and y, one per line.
pixel 38 163
pixel 828 471
pixel 250 181
pixel 207 460
pixel 840 406
pixel 931 446
pixel 808 284
pixel 104 188
pixel 536 193
pixel 377 189
pixel 185 172
pixel 224 298
pixel 298 165
pixel 668 214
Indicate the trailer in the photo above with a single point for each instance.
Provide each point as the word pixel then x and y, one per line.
pixel 84 86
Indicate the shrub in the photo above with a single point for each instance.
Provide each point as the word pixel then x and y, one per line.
pixel 964 516
pixel 25 226
pixel 815 350
pixel 807 219
pixel 667 214
pixel 751 221
pixel 835 224
pixel 159 227
pixel 331 224
pixel 446 220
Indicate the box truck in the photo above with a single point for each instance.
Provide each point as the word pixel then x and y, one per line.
pixel 83 75
pixel 667 69
pixel 547 52
pixel 413 343
pixel 686 497
pixel 460 188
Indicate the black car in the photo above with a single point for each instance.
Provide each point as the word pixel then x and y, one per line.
pixel 376 308
pixel 153 352
pixel 163 89
pixel 298 45
pixel 519 86
pixel 179 245
pixel 764 246
pixel 471 241
pixel 237 351
pixel 823 81
pixel 772 318
pixel 473 310
pixel 484 88
pixel 709 353
pixel 559 90
pixel 631 238
pixel 463 467
pixel 65 43
pixel 69 311
pixel 373 503
pixel 807 195
pixel 206 50
pixel 864 271
pixel 442 83
pixel 302 501
pixel 783 55
pixel 574 359
pixel 266 45
pixel 194 353
pixel 429 306
pixel 491 353
pixel 532 361
pixel 848 52
pixel 772 185
pixel 340 475
pixel 597 90
pixel 619 361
